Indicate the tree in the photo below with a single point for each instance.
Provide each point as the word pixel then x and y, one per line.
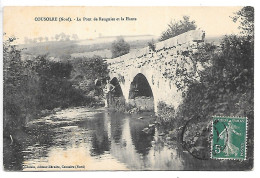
pixel 62 36
pixel 19 88
pixel 119 47
pixel 226 85
pixel 57 36
pixel 75 36
pixel 176 28
pixel 230 75
pixel 35 40
pixel 246 18
pixel 40 39
pixel 67 38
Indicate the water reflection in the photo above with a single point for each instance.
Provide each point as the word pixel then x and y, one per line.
pixel 141 140
pixel 97 140
pixel 115 126
pixel 135 148
pixel 99 137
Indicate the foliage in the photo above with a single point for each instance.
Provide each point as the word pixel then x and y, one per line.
pixel 245 17
pixel 20 87
pixel 120 105
pixel 55 88
pixel 225 89
pixel 225 86
pixel 176 28
pixel 34 85
pixel 86 71
pixel 221 84
pixel 152 45
pixel 58 37
pixel 119 47
pixel 94 67
pixel 165 112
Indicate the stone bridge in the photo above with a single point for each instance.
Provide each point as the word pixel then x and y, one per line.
pixel 155 74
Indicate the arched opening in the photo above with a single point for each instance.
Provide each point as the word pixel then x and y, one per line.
pixel 140 94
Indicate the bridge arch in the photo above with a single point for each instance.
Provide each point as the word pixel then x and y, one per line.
pixel 141 94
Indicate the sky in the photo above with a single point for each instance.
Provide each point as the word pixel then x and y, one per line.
pixel 20 21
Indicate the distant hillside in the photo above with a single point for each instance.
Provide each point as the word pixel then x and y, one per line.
pixel 68 50
pixel 60 50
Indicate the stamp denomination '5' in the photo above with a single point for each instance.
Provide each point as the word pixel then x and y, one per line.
pixel 229 138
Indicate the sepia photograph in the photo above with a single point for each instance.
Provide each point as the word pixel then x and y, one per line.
pixel 126 88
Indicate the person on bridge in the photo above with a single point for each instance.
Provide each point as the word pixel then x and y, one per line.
pixel 108 93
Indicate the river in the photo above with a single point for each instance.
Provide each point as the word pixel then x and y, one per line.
pixel 98 139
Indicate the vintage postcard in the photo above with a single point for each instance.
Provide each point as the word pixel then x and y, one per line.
pixel 128 88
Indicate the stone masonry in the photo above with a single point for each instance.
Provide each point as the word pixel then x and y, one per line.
pixel 159 66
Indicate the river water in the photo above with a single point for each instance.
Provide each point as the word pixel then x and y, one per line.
pixel 98 139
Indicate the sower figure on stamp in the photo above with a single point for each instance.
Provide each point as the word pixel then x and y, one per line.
pixel 226 134
pixel 108 93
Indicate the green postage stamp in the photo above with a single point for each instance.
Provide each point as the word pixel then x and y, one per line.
pixel 229 138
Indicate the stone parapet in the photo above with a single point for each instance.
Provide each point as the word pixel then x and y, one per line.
pixel 189 40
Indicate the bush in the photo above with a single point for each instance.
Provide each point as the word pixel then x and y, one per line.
pixel 86 71
pixel 167 113
pixel 152 45
pixel 119 48
pixel 229 76
pixel 177 28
